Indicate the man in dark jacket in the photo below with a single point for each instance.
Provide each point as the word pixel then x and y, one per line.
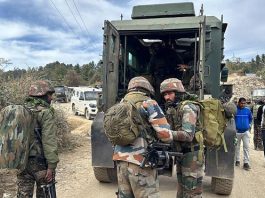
pixel 43 154
pixel 243 120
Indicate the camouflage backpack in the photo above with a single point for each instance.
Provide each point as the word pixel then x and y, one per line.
pixel 16 124
pixel 123 123
pixel 211 123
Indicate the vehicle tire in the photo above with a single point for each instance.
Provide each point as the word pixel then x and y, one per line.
pixel 87 115
pixel 74 110
pixel 222 186
pixel 106 175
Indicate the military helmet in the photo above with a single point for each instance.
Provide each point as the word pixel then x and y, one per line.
pixel 171 84
pixel 140 82
pixel 40 88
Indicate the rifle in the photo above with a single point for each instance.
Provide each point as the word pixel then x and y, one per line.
pixel 159 155
pixel 49 190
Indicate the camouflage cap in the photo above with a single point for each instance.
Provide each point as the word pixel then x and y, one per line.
pixel 141 82
pixel 40 88
pixel 172 84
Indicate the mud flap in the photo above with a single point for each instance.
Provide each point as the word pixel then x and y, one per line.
pixel 101 147
pixel 218 162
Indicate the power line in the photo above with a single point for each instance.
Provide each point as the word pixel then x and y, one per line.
pixel 65 21
pixel 74 16
pixel 80 17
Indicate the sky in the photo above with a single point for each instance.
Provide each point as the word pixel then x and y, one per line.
pixel 37 32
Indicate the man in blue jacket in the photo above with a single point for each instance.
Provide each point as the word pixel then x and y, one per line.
pixel 243 121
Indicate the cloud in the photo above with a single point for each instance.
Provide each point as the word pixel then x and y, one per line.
pixel 36 32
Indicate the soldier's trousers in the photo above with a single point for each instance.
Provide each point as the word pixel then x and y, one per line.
pixel 136 182
pixel 189 174
pixel 34 173
pixel 263 138
pixel 257 136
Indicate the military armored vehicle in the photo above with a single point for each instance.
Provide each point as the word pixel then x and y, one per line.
pixel 162 41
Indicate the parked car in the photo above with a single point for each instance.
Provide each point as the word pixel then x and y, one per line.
pixel 60 93
pixel 84 101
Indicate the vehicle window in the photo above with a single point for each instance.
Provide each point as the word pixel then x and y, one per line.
pixel 59 89
pixel 131 60
pixel 91 95
pixel 112 43
pixel 81 96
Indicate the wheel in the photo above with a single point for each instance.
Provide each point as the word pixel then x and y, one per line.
pixel 106 175
pixel 222 186
pixel 87 114
pixel 74 110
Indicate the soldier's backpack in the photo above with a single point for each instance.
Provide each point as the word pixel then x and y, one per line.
pixel 211 123
pixel 123 123
pixel 16 124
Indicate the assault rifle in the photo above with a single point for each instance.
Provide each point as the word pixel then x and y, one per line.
pixel 159 155
pixel 49 190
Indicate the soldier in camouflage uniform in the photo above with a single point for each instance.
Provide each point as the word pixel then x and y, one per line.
pixel 134 181
pixel 43 154
pixel 183 119
pixel 257 139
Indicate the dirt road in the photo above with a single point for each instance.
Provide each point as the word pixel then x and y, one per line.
pixel 75 177
pixel 75 174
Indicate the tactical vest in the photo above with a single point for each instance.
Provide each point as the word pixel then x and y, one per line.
pixel 174 116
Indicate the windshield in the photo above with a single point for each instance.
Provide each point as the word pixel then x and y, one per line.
pixel 59 89
pixel 91 95
pixel 259 92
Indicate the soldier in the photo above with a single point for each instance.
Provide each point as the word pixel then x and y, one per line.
pixel 134 181
pixel 257 122
pixel 165 62
pixel 183 119
pixel 43 154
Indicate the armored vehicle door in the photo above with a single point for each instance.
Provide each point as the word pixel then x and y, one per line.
pixel 111 49
pixel 101 147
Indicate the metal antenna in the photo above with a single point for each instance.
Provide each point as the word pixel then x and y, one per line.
pixel 201 10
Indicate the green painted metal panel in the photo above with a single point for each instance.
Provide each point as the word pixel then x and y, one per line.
pixel 175 23
pixel 163 10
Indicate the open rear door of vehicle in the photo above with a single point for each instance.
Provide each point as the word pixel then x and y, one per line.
pixel 102 149
pixel 111 53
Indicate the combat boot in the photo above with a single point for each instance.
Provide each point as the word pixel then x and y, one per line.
pixel 246 166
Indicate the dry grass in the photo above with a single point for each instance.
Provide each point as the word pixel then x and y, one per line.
pixel 15 92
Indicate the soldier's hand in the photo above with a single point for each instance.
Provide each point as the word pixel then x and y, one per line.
pixel 183 67
pixel 49 175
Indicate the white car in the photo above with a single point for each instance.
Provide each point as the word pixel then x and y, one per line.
pixel 84 101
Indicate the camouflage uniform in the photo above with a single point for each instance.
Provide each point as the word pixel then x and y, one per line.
pixel 134 181
pixel 183 120
pixel 257 139
pixel 43 153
